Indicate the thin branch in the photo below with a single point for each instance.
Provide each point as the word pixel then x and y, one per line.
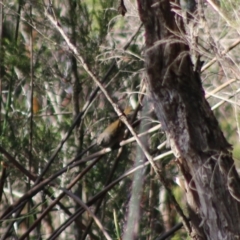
pixel 30 147
pixel 83 205
pixel 109 179
pixel 3 179
pixel 223 15
pixel 228 49
pixel 219 88
pixel 13 161
pixel 170 232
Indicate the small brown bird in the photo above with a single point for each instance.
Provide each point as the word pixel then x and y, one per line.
pixel 114 133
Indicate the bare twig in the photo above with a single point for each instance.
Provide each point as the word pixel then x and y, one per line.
pixel 109 179
pixel 83 205
pixel 13 161
pixel 219 88
pixel 222 54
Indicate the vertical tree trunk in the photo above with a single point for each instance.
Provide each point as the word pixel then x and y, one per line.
pixel 202 152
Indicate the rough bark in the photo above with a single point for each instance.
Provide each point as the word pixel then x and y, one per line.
pixel 202 152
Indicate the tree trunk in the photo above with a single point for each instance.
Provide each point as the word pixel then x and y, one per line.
pixel 202 152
